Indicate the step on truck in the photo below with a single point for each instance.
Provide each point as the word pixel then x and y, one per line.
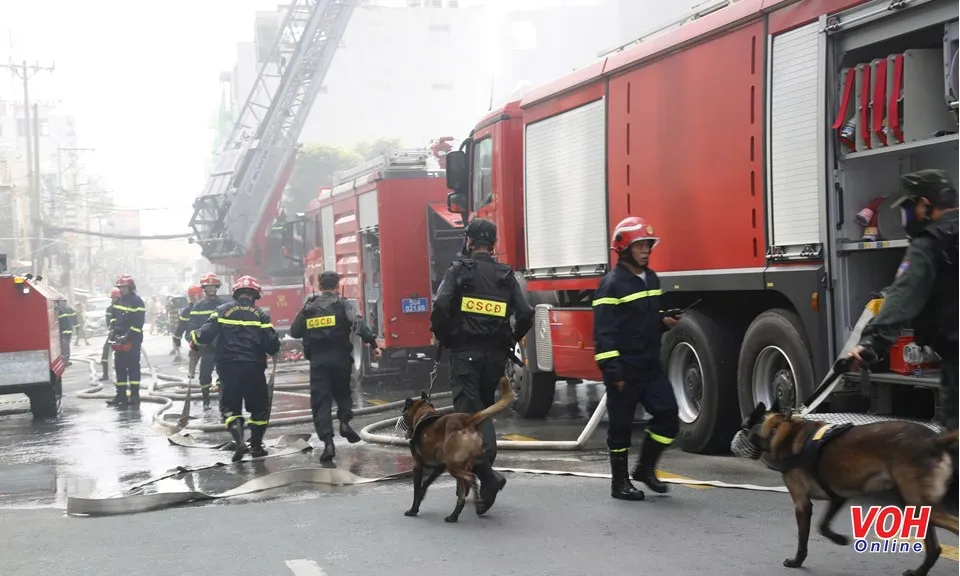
pixel 763 140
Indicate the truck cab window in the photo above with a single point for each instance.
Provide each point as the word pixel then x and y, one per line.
pixel 482 185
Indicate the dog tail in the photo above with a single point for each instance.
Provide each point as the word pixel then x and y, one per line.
pixel 506 398
pixel 946 440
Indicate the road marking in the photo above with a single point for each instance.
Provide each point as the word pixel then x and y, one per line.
pixel 519 438
pixel 305 567
pixel 377 402
pixel 950 552
pixel 668 475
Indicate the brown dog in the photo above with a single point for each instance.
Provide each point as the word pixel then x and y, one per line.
pixel 450 442
pixel 834 463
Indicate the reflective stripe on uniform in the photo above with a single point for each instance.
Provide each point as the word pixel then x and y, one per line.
pixel 606 355
pixel 255 323
pixel 627 298
pixel 126 309
pixel 136 329
pixel 66 315
pixel 258 422
pixel 659 438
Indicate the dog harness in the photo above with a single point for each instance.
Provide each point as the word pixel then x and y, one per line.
pixel 419 428
pixel 809 457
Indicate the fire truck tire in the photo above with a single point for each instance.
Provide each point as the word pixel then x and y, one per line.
pixel 535 390
pixel 775 362
pixel 699 360
pixel 45 402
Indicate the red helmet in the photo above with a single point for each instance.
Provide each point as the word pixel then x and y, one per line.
pixel 247 283
pixel 631 229
pixel 210 279
pixel 126 280
pixel 115 293
pixel 194 291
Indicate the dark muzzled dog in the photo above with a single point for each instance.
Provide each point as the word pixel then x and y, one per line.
pixel 449 443
pixel 892 457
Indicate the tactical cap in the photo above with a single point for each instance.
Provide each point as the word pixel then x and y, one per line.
pixel 482 231
pixel 329 279
pixel 934 185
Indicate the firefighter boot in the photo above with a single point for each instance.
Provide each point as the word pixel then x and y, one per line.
pixel 205 392
pixel 105 366
pixel 620 486
pixel 329 451
pixel 120 399
pixel 646 468
pixel 236 430
pixel 491 483
pixel 349 433
pixel 134 395
pixel 256 441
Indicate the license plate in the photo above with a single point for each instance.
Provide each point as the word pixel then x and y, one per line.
pixel 415 305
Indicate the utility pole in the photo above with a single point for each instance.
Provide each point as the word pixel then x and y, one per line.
pixel 25 72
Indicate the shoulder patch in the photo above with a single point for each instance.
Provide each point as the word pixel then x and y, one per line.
pixel 903 267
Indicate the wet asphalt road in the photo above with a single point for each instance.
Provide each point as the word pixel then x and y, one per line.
pixel 542 525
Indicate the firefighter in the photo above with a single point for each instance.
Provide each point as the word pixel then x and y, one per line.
pixel 326 324
pixel 183 320
pixel 204 355
pixel 627 327
pixel 471 316
pixel 81 327
pixel 127 336
pixel 67 319
pixel 244 337
pixel 924 292
pixel 109 317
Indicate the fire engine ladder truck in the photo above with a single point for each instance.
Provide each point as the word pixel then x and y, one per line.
pixel 259 153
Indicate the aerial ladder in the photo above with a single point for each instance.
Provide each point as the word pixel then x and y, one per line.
pixel 255 162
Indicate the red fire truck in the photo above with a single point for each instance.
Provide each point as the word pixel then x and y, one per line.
pixel 761 139
pixel 385 229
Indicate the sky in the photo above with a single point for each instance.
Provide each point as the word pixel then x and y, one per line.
pixel 142 84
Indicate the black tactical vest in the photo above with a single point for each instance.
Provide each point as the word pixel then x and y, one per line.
pixel 482 314
pixel 328 328
pixel 937 323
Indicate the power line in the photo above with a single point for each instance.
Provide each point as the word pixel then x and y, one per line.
pixel 83 232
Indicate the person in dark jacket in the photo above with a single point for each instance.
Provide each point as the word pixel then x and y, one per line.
pixel 127 337
pixel 627 327
pixel 244 338
pixel 194 293
pixel 471 316
pixel 204 356
pixel 67 318
pixel 109 317
pixel 327 323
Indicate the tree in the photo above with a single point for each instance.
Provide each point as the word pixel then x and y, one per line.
pixel 318 163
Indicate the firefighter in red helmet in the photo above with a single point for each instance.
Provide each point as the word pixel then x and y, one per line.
pixel 126 335
pixel 183 318
pixel 109 317
pixel 244 338
pixel 205 306
pixel 627 326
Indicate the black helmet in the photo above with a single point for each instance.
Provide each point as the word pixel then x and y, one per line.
pixel 482 232
pixel 934 185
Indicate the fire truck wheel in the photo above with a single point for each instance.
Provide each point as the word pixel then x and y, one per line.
pixel 45 402
pixel 535 390
pixel 775 362
pixel 698 359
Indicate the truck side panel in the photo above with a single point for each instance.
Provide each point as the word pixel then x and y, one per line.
pixel 404 259
pixel 346 247
pixel 713 215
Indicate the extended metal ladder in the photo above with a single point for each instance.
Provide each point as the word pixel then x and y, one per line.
pixel 256 159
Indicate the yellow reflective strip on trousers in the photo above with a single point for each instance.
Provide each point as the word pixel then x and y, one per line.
pixel 258 422
pixel 659 438
pixel 606 355
pixel 230 419
pixel 136 329
pixel 484 307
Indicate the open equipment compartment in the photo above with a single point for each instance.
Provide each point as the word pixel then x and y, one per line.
pixel 893 111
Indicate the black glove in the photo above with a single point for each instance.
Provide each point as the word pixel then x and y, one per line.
pixel 123 339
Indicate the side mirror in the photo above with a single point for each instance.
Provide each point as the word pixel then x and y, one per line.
pixel 457 172
pixel 457 203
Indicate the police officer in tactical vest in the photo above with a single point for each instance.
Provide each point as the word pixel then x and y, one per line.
pixel 924 293
pixel 471 317
pixel 327 324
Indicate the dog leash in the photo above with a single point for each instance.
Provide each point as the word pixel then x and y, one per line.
pixel 435 370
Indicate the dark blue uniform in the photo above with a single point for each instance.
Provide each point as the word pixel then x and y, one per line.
pixel 627 327
pixel 199 312
pixel 127 328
